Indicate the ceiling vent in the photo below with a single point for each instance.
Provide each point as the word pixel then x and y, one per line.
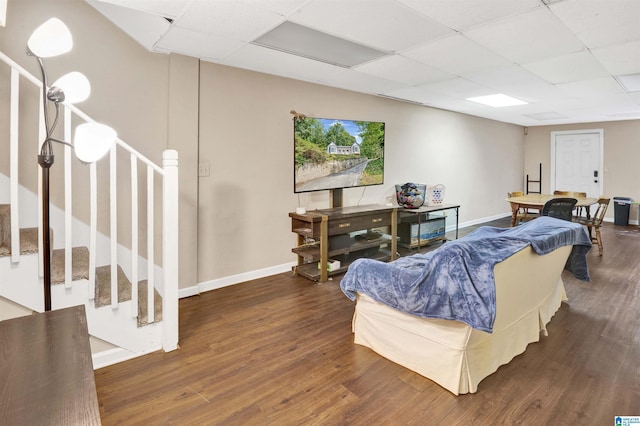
pixel 308 43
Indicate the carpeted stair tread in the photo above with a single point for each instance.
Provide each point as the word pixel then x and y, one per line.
pixel 5 222
pixel 142 304
pixel 103 286
pixel 79 265
pixel 28 242
pixel 28 236
pixel 80 269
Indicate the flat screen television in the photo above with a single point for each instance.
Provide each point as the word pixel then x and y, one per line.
pixel 332 154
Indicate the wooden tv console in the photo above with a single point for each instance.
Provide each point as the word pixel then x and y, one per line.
pixel 316 228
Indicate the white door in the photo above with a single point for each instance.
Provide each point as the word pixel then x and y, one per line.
pixel 577 161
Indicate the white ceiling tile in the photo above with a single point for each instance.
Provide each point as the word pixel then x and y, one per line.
pixel 511 76
pixel 281 7
pixel 382 24
pixel 359 82
pixel 229 19
pixel 598 22
pixel 456 55
pixel 590 89
pixel 419 94
pixel 464 14
pixel 399 68
pixel 271 61
pixel 620 58
pixel 615 105
pixel 550 115
pixel 458 87
pixel 165 8
pixel 564 69
pixel 200 45
pixel 528 37
pixel 143 27
pixel 635 97
pixel 622 116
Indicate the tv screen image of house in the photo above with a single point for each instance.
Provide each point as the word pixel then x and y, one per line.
pixel 332 153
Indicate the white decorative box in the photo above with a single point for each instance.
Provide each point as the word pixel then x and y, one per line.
pixel 332 265
pixel 435 195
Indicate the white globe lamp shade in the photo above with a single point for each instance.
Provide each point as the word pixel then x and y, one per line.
pixel 74 85
pixel 93 141
pixel 52 38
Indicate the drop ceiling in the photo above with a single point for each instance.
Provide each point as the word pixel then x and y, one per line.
pixel 571 61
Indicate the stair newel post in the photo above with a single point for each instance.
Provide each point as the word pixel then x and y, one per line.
pixel 46 161
pixel 170 250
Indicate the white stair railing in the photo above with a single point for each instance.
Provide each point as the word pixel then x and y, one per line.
pixel 167 176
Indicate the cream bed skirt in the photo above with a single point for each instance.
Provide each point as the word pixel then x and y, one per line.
pixel 529 290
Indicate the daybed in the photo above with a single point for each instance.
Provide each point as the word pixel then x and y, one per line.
pixel 452 317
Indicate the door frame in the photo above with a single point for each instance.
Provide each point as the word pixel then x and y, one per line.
pixel 552 178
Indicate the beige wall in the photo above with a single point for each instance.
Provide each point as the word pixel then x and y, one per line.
pixel 621 174
pixel 182 118
pixel 246 135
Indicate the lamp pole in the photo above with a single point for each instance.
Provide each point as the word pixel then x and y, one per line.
pixel 52 39
pixel 45 160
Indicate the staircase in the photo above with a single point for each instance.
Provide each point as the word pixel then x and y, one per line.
pixel 91 264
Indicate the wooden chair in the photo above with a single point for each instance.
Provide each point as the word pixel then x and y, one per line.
pixel 595 222
pixel 560 208
pixel 523 215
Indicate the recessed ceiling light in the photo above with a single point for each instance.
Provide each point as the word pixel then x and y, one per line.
pixel 498 100
pixel 631 82
pixel 306 42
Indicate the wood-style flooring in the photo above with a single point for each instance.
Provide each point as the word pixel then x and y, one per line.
pixel 279 351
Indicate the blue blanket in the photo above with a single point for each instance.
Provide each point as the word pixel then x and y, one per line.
pixel 456 281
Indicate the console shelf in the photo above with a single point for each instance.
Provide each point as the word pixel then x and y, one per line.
pixel 321 225
pixel 311 271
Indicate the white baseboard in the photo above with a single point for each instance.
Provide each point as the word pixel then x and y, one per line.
pixel 285 267
pixel 478 221
pixel 234 279
pixel 115 356
pixel 631 222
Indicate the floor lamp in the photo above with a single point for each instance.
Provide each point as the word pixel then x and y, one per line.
pixel 91 140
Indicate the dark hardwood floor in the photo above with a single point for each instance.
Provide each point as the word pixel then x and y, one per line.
pixel 279 351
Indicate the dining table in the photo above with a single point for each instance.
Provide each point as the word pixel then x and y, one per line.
pixel 537 201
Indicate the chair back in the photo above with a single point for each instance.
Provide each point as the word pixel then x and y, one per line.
pixel 559 208
pixel 572 194
pixel 598 216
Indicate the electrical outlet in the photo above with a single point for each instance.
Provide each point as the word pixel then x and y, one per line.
pixel 203 169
